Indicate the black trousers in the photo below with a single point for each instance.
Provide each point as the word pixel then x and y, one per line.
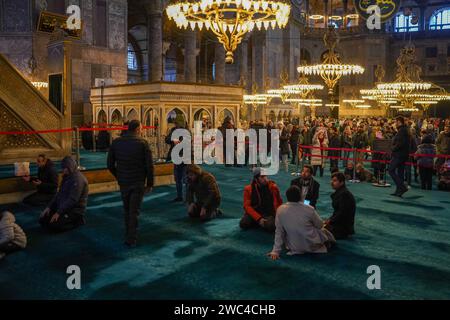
pixel 9 248
pixel 132 197
pixel 294 149
pixel 316 167
pixel 247 222
pixel 426 178
pixel 65 222
pixel 397 172
pixel 210 213
pixel 38 199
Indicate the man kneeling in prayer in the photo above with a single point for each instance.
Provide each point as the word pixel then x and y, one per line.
pixel 299 228
pixel 203 194
pixel 66 210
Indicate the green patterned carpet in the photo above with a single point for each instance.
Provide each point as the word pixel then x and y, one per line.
pixel 182 259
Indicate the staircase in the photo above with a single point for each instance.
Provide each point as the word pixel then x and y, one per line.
pixel 24 108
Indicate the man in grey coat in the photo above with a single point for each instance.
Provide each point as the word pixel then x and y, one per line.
pixel 299 228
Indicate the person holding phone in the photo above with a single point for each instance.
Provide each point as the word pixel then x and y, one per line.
pixel 308 186
pixel 46 183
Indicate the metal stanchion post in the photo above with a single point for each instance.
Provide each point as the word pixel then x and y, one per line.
pixel 94 141
pixel 297 171
pixel 77 144
pixel 354 180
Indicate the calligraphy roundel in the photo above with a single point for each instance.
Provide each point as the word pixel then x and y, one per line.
pixel 388 8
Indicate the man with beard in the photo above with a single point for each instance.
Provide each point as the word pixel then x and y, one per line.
pixel 67 209
pixel 261 201
pixel 308 186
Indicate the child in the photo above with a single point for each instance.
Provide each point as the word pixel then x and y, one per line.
pixel 12 237
pixel 362 174
pixel 426 164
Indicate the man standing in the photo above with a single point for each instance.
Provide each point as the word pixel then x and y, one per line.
pixel 308 186
pixel 130 161
pixel 299 228
pixel 179 170
pixel 361 142
pixel 443 146
pixel 400 153
pixel 261 201
pixel 203 194
pixel 67 209
pixel 46 183
pixel 341 223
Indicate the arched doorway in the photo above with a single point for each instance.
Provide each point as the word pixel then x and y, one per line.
pixel 224 114
pixel 205 117
pixel 151 120
pixel 175 116
pixel 132 115
pixel 116 117
pixel 102 117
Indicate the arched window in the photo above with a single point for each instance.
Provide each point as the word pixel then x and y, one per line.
pixel 404 24
pixel 440 19
pixel 132 60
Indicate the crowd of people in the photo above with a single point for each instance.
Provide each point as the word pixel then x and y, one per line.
pixel 345 144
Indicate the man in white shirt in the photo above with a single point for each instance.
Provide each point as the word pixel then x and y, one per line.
pixel 299 228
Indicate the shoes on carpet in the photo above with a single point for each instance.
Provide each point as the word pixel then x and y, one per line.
pixel 177 199
pixel 130 244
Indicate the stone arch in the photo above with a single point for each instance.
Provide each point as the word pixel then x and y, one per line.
pixel 272 116
pixel 151 119
pixel 101 117
pixel 132 114
pixel 116 117
pixel 204 116
pixel 175 114
pixel 225 113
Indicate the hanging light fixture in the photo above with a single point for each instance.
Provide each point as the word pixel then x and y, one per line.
pixel 331 70
pixel 229 20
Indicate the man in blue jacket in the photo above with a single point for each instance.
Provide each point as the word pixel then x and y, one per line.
pixel 67 209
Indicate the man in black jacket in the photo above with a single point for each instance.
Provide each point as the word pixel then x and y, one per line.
pixel 46 183
pixel 66 210
pixel 334 143
pixel 308 186
pixel 400 154
pixel 130 161
pixel 341 223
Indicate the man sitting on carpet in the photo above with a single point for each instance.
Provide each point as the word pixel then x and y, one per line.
pixel 341 223
pixel 299 228
pixel 66 210
pixel 46 183
pixel 203 194
pixel 308 186
pixel 261 201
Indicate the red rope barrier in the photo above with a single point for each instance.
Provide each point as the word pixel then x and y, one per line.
pixel 122 128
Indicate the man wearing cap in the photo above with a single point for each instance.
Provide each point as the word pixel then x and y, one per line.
pixel 203 194
pixel 261 201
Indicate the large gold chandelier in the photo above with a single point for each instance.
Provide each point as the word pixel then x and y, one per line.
pixel 229 20
pixel 331 69
pixel 408 88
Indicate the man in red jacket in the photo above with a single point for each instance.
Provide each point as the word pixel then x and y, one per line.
pixel 261 201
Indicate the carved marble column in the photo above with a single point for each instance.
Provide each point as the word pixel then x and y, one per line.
pixel 190 56
pixel 219 60
pixel 155 41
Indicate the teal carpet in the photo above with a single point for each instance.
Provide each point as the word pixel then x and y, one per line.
pixel 182 259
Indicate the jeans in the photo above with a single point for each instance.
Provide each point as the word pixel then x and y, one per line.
pixel 132 197
pixel 397 172
pixel 180 178
pixel 247 222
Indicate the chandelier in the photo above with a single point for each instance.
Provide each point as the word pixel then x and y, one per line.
pixel 408 88
pixel 229 20
pixel 331 70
